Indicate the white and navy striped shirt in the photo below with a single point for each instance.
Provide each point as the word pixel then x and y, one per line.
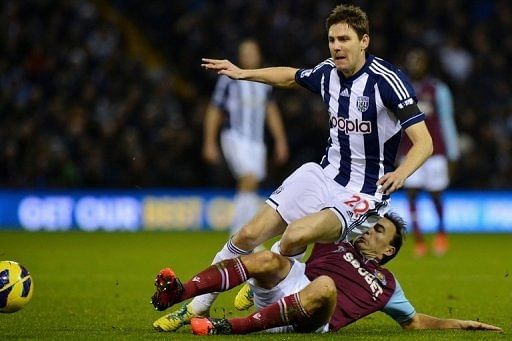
pixel 245 103
pixel 367 114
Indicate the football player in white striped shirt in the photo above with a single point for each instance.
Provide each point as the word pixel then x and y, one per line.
pixel 369 103
pixel 241 108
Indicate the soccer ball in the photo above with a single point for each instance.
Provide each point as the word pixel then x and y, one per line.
pixel 16 286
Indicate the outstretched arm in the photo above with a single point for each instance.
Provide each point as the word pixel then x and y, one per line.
pixel 281 76
pixel 422 321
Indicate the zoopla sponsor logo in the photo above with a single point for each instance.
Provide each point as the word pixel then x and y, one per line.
pixel 349 126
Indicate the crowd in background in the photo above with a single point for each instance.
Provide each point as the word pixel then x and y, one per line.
pixel 78 109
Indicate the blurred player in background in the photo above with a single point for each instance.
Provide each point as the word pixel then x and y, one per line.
pixel 435 100
pixel 369 103
pixel 241 109
pixel 340 284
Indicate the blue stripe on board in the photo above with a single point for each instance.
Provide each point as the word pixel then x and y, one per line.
pixel 371 142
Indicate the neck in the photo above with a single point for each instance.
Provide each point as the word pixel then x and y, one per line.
pixel 358 66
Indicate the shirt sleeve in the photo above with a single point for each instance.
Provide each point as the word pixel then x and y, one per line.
pixel 311 79
pixel 398 307
pixel 220 92
pixel 398 96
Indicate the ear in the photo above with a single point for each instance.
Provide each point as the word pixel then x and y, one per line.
pixel 390 251
pixel 365 42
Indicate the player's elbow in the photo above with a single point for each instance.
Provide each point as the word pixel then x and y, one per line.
pixel 414 323
pixel 288 84
pixel 429 146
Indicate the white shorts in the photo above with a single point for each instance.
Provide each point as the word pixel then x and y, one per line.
pixel 431 176
pixel 244 156
pixel 295 281
pixel 308 190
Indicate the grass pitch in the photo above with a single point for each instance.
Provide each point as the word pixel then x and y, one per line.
pixel 98 285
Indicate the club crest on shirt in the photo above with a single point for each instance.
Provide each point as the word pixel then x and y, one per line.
pixel 363 102
pixel 380 277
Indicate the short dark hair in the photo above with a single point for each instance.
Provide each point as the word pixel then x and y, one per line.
pixel 398 238
pixel 354 16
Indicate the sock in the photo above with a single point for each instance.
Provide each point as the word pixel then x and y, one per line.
pixel 218 277
pixel 200 305
pixel 246 205
pixel 440 213
pixel 286 311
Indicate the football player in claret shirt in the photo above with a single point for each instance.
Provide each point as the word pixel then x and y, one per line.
pixel 369 104
pixel 340 284
pixel 435 100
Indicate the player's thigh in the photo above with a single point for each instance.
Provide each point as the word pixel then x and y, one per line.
pixel 302 193
pixel 322 226
pixel 266 224
pixel 437 174
pixel 295 281
pixel 319 299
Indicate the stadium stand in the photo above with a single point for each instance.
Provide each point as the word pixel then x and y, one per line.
pixel 79 109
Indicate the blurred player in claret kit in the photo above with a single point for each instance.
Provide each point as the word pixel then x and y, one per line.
pixel 435 100
pixel 241 109
pixel 369 104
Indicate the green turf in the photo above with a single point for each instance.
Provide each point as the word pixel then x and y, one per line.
pixel 97 285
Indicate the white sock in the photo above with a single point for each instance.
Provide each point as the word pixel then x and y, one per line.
pixel 200 305
pixel 247 204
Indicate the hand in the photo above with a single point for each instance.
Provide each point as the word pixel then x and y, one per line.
pixel 390 182
pixel 281 153
pixel 211 153
pixel 223 67
pixel 475 325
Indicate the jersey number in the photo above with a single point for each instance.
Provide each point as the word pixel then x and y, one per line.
pixel 357 204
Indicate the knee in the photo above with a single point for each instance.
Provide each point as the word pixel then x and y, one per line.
pixel 268 262
pixel 247 236
pixel 319 297
pixel 291 240
pixel 326 291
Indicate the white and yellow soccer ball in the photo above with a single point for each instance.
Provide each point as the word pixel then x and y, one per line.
pixel 16 286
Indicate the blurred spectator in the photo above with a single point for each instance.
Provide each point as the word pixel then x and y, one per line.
pixel 78 109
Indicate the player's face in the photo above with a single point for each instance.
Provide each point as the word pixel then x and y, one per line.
pixel 249 55
pixel 347 50
pixel 376 242
pixel 416 64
